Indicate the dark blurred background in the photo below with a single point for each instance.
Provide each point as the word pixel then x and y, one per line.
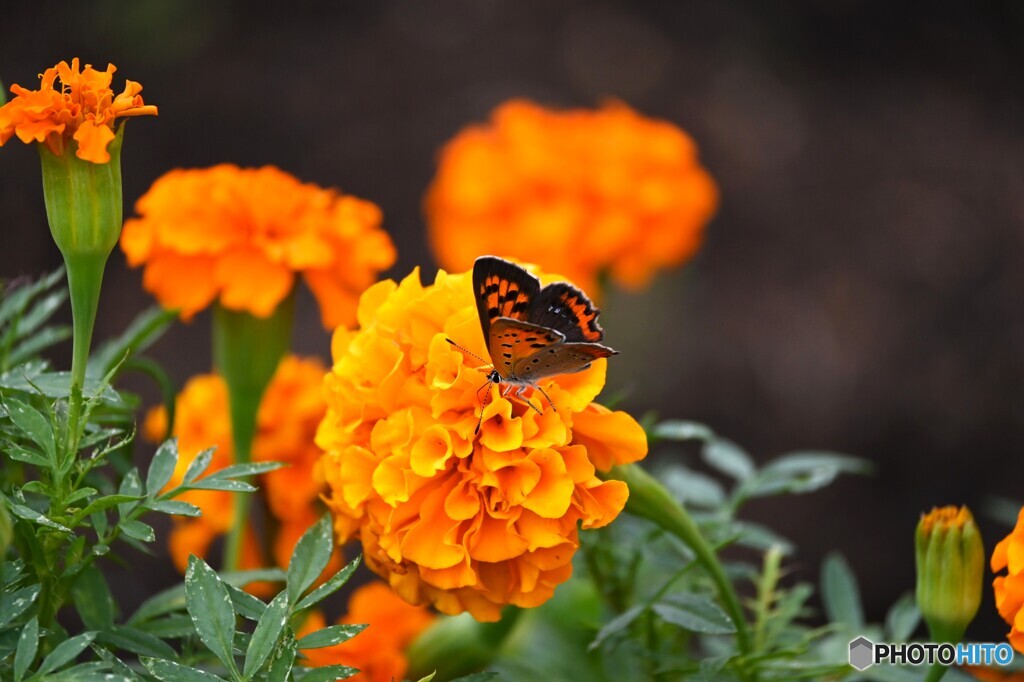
pixel 859 289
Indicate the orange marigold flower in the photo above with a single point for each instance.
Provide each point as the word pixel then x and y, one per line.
pixel 241 235
pixel 82 109
pixel 579 191
pixel 1009 588
pixel 465 521
pixel 379 650
pixel 289 413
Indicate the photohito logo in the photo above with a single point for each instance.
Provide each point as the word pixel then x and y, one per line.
pixel 864 653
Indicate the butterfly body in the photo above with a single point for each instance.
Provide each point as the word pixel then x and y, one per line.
pixel 533 332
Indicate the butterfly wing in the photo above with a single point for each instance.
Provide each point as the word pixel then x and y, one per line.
pixel 502 289
pixel 565 308
pixel 511 341
pixel 559 358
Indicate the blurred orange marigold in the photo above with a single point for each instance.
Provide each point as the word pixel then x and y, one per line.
pixel 83 108
pixel 240 235
pixel 579 191
pixel 1009 588
pixel 466 522
pixel 379 650
pixel 288 416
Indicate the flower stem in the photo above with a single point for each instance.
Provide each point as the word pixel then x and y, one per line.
pixel 246 352
pixel 649 499
pixel 85 279
pixel 935 673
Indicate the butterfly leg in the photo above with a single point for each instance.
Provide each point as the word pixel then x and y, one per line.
pixel 480 419
pixel 544 393
pixel 522 398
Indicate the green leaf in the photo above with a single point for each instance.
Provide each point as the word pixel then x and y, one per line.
pixel 136 641
pixel 80 494
pixel 428 678
pixel 840 594
pixel 55 385
pixel 13 604
pixel 210 483
pixel 694 612
pixel 330 586
pixel 20 454
pixel 171 627
pixel 312 552
pixel 34 425
pixel 692 488
pixel 283 661
pixel 329 636
pixel 168 671
pixel 246 605
pixel 247 469
pixel 729 458
pixel 266 635
pixel 802 472
pixel 29 514
pixel 902 619
pixel 617 625
pixel 65 652
pixel 329 673
pixel 103 503
pixel 198 465
pixel 28 644
pixel 137 530
pixel 92 599
pixel 144 330
pixel 677 429
pixel 209 604
pixel 175 507
pixel 32 346
pixel 162 467
pixel 477 677
pixel 173 599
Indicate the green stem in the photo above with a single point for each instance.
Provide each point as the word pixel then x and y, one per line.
pixel 935 673
pixel 85 279
pixel 246 352
pixel 649 499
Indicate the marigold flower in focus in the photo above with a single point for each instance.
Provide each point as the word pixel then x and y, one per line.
pixel 1009 588
pixel 82 108
pixel 465 522
pixel 241 235
pixel 291 409
pixel 579 191
pixel 379 650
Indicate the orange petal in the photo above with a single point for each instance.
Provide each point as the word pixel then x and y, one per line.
pixel 250 282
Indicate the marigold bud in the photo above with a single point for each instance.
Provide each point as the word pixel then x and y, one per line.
pixel 950 568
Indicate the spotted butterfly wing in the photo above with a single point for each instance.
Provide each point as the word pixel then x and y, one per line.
pixel 502 289
pixel 563 307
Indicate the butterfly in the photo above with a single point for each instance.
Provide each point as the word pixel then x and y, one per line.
pixel 532 333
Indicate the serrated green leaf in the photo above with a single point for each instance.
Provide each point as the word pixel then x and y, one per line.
pixel 162 467
pixel 312 552
pixel 330 586
pixel 137 641
pixel 137 530
pixel 694 612
pixel 209 605
pixel 34 425
pixel 266 635
pixel 65 652
pixel 840 594
pixel 677 429
pixel 15 603
pixel 902 619
pixel 329 636
pixel 729 458
pixel 174 507
pixel 28 644
pixel 92 599
pixel 199 464
pixel 329 673
pixel 169 671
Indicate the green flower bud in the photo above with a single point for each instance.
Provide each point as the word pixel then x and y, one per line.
pixel 950 569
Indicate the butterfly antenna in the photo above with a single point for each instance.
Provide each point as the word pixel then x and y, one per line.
pixel 487 395
pixel 468 352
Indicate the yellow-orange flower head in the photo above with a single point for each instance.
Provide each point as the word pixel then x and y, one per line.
pixel 289 413
pixel 465 521
pixel 580 192
pixel 379 650
pixel 82 108
pixel 1009 588
pixel 241 235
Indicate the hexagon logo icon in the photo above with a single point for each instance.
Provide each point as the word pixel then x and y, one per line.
pixel 862 653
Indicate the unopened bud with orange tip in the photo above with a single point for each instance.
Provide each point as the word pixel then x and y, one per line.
pixel 950 568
